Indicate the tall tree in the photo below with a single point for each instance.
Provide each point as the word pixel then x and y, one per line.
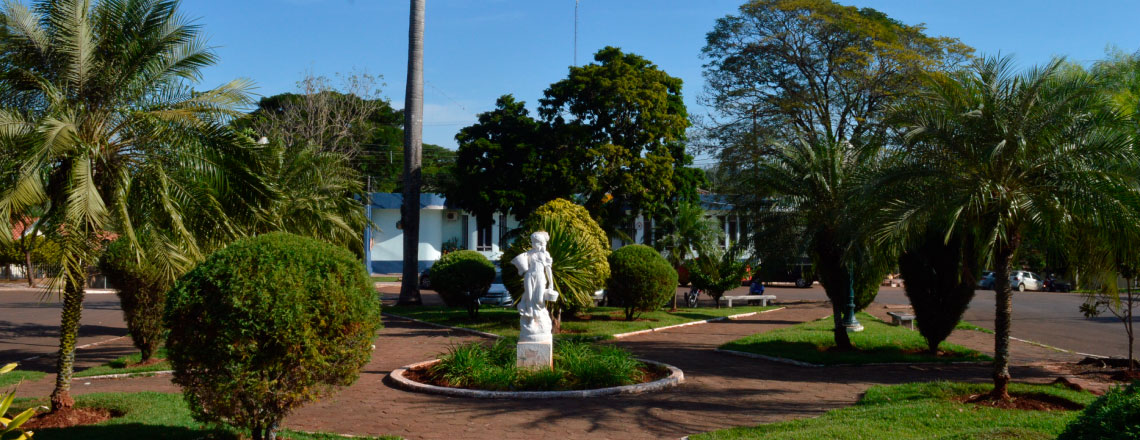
pixel 618 117
pixel 91 96
pixel 1012 152
pixel 686 233
pixel 413 143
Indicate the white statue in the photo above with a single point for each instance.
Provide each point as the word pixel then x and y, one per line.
pixel 538 288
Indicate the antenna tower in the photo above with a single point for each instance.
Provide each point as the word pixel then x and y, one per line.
pixel 576 32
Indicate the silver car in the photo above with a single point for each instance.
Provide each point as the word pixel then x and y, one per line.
pixel 497 295
pixel 1025 280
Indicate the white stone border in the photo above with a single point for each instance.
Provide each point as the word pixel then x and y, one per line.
pixel 676 377
pixel 706 321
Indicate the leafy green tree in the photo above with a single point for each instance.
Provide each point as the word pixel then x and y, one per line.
pixel 718 271
pixel 641 280
pixel 686 233
pixel 461 278
pixel 940 275
pixel 784 69
pixel 93 96
pixel 1008 152
pixel 619 116
pixel 506 164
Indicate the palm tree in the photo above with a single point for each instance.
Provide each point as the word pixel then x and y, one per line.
pixel 808 203
pixel 413 146
pixel 93 96
pixel 688 232
pixel 1006 153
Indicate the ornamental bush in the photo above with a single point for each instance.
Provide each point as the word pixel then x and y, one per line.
pixel 1115 415
pixel 640 279
pixel 266 325
pixel 142 295
pixel 578 246
pixel 461 278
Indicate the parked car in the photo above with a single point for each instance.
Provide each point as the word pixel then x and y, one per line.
pixel 801 274
pixel 1021 281
pixel 987 280
pixel 1052 284
pixel 425 278
pixel 497 295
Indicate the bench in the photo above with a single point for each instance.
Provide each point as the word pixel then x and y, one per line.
pixel 762 298
pixel 899 318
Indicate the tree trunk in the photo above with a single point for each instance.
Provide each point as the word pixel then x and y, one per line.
pixel 68 332
pixel 1003 314
pixel 1128 327
pixel 29 270
pixel 842 339
pixel 271 431
pixel 413 143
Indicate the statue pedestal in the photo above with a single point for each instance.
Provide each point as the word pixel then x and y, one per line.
pixel 535 355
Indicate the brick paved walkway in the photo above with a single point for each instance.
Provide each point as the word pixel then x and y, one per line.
pixel 720 391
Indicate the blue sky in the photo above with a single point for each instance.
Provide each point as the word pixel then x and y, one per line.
pixel 476 50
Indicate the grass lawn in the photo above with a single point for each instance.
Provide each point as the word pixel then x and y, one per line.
pixel 599 322
pixel 119 366
pixel 16 376
pixel 383 279
pixel 149 415
pixel 963 325
pixel 921 411
pixel 879 342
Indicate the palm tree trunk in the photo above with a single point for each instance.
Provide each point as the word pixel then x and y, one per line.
pixel 413 143
pixel 1003 314
pixel 28 269
pixel 1129 328
pixel 842 339
pixel 68 332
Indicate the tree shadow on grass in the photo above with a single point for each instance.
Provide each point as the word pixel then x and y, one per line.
pixel 133 431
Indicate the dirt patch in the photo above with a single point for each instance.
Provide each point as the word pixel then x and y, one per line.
pixel 145 363
pixel 1029 402
pixel 1106 372
pixel 70 417
pixel 1108 363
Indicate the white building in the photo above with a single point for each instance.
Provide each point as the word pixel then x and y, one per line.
pixel 443 226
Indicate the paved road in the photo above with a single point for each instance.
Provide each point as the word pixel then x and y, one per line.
pixel 29 327
pixel 1049 318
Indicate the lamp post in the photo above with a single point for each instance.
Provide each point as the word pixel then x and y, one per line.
pixel 849 321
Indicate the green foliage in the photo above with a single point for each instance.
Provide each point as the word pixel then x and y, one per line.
pixel 1115 415
pixel 718 271
pixel 10 426
pixel 879 342
pixel 577 366
pixel 266 325
pixel 686 232
pixel 939 281
pixel 461 278
pixel 504 148
pixel 623 116
pixel 142 294
pixel 578 246
pixel 641 280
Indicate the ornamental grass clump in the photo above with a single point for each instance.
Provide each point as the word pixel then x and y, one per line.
pixel 641 280
pixel 577 366
pixel 267 325
pixel 461 278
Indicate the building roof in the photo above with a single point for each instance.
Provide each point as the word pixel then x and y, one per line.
pixel 394 200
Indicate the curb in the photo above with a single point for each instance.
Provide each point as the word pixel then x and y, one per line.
pixel 722 318
pixel 769 358
pixel 432 324
pixel 1058 348
pixel 81 347
pixel 676 377
pixel 125 375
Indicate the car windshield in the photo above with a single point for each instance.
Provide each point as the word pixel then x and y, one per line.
pixel 498 278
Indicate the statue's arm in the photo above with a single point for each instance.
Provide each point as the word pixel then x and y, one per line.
pixel 550 276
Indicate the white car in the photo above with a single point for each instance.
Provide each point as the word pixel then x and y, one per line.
pixel 1021 281
pixel 497 295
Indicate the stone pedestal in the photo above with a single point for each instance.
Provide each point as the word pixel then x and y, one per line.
pixel 535 355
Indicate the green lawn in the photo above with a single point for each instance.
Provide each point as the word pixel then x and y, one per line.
pixel 599 322
pixel 149 415
pixel 879 342
pixel 119 366
pixel 16 376
pixel 963 325
pixel 921 411
pixel 382 279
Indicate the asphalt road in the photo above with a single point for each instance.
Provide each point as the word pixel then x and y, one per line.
pixel 29 326
pixel 1046 317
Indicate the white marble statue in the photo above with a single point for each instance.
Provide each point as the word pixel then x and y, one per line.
pixel 538 288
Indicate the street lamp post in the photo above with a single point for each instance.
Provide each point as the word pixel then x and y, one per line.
pixel 849 321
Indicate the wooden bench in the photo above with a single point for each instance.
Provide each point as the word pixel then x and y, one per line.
pixel 899 318
pixel 762 298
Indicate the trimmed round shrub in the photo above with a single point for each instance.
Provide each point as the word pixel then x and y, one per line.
pixel 266 325
pixel 461 278
pixel 142 295
pixel 1115 415
pixel 578 246
pixel 641 280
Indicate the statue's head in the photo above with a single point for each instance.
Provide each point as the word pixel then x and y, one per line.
pixel 538 240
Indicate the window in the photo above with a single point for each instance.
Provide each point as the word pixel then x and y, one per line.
pixel 731 230
pixel 484 243
pixel 502 231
